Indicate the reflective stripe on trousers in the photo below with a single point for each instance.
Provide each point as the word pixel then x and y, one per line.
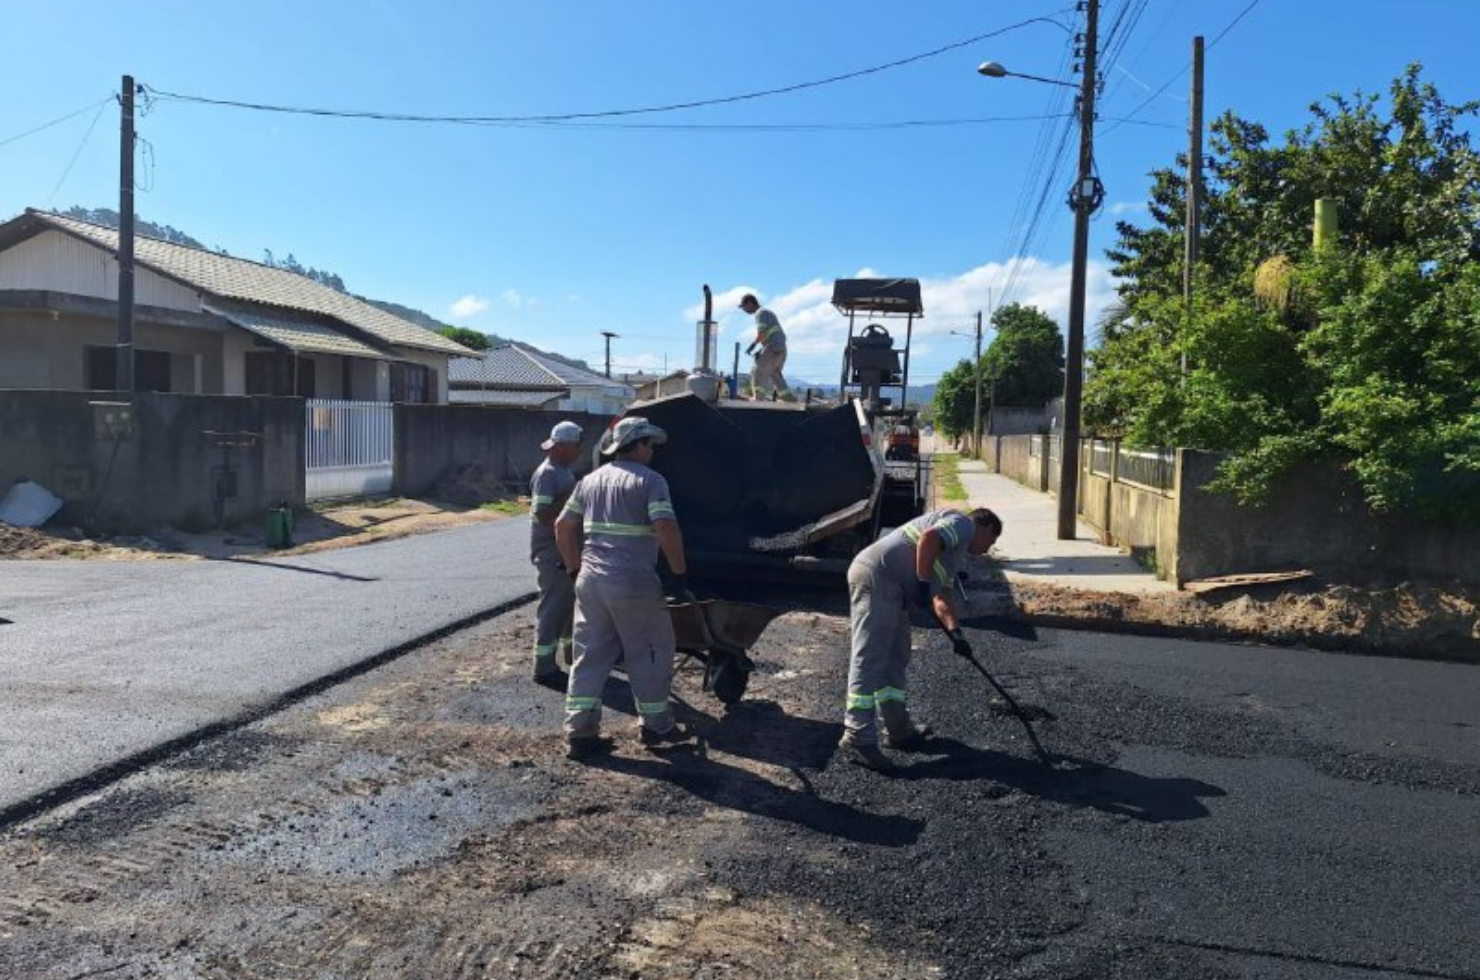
pixel 623 617
pixel 554 616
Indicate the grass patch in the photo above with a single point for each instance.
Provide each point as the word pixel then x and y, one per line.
pixel 512 507
pixel 945 471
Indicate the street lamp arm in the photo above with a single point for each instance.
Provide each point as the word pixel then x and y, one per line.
pixel 993 69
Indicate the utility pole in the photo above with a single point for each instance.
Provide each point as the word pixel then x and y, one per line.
pixel 608 335
pixel 976 417
pixel 1084 199
pixel 124 380
pixel 1194 185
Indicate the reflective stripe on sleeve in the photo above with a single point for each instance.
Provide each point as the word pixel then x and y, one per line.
pixel 659 509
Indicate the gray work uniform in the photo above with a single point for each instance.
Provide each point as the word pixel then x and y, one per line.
pixel 881 581
pixel 620 611
pixel 772 356
pixel 555 613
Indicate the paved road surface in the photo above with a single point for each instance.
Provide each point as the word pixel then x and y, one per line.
pixel 104 660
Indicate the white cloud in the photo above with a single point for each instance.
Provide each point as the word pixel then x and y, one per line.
pixel 1127 207
pixel 512 298
pixel 468 306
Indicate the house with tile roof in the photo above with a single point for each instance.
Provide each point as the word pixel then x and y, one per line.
pixel 204 323
pixel 513 375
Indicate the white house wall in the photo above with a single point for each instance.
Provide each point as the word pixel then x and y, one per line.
pixel 39 350
pixel 63 264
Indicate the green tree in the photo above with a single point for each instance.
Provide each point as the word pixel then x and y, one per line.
pixel 1365 353
pixel 1025 361
pixel 468 337
pixel 955 400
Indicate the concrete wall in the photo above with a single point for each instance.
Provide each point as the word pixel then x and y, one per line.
pixel 164 472
pixel 1316 519
pixel 1009 421
pixel 432 440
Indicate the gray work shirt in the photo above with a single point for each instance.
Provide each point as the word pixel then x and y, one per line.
pixel 768 332
pixel 550 483
pixel 895 551
pixel 617 506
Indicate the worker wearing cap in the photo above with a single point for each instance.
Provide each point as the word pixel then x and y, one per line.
pixel 769 348
pixel 610 533
pixel 918 561
pixel 554 615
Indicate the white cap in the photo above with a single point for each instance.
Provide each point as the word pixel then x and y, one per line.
pixel 563 432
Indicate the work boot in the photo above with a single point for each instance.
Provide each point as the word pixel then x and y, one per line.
pixel 584 747
pixel 912 741
pixel 869 756
pixel 675 736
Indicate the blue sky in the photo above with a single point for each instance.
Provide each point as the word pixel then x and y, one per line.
pixel 553 233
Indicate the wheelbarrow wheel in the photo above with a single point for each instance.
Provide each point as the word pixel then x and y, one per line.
pixel 729 681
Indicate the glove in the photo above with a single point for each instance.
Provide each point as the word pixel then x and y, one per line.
pixel 922 595
pixel 676 585
pixel 959 646
pixel 751 350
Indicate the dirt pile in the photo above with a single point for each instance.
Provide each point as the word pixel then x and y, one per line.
pixel 1412 619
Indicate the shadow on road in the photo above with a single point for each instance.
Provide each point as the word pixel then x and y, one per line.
pixel 738 789
pixel 1073 782
pixel 285 567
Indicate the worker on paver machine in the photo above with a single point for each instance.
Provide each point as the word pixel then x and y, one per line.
pixel 610 533
pixel 769 348
pixel 921 561
pixel 549 488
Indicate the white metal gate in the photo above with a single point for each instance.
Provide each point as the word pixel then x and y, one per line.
pixel 347 448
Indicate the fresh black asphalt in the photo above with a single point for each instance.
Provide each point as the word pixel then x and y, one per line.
pixel 104 661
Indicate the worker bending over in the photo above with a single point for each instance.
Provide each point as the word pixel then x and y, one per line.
pixel 610 532
pixel 549 488
pixel 918 561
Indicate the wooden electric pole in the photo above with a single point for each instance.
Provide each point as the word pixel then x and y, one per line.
pixel 124 381
pixel 976 417
pixel 608 335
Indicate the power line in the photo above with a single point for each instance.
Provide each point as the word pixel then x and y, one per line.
pixel 57 121
pixel 608 113
pixel 78 152
pixel 1183 70
pixel 785 127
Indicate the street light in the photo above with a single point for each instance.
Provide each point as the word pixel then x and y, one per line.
pixel 1084 198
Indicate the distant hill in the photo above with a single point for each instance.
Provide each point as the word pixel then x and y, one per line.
pixel 108 218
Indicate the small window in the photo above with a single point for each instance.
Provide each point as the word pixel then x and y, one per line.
pixel 413 384
pixel 275 373
pixel 151 369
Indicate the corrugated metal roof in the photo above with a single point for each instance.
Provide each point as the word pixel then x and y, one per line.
pixel 240 279
pixel 516 366
pixel 298 335
pixel 512 399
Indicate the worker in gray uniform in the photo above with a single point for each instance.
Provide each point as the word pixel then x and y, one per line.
pixel 919 561
pixel 549 488
pixel 769 348
pixel 610 533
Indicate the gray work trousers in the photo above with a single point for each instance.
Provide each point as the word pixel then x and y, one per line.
pixel 620 617
pixel 766 374
pixel 554 616
pixel 879 665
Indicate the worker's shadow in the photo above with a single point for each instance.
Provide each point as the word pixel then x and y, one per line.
pixel 763 731
pixel 1073 782
pixel 692 769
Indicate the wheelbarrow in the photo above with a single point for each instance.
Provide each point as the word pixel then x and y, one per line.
pixel 718 633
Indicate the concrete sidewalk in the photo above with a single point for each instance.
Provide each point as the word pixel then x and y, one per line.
pixel 1030 551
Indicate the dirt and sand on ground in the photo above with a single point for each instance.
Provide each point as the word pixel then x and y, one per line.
pixel 1414 619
